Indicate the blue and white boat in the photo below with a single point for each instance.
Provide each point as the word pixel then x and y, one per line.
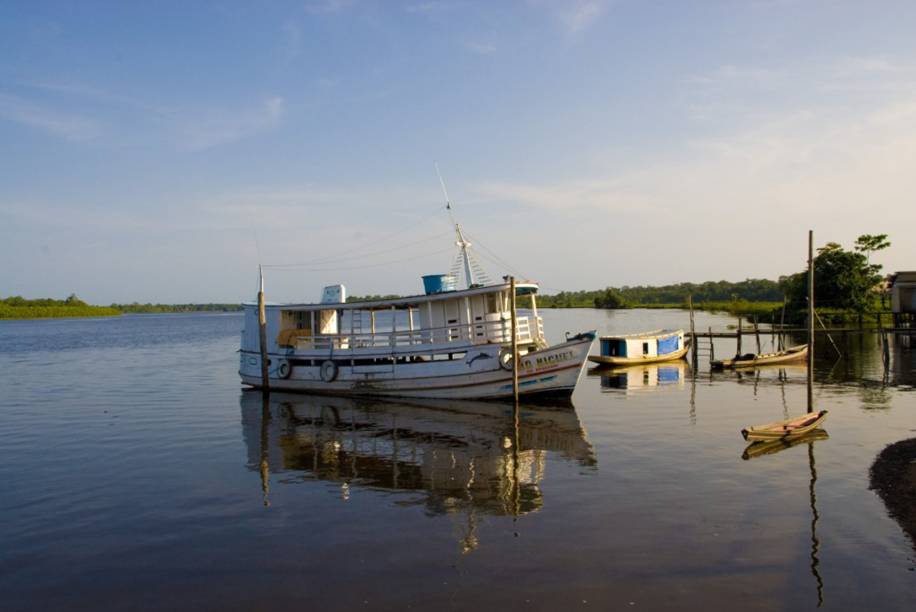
pixel 646 347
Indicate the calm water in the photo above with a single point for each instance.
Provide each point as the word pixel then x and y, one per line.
pixel 138 475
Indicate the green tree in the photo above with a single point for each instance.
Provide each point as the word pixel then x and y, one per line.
pixel 72 300
pixel 610 298
pixel 868 244
pixel 842 279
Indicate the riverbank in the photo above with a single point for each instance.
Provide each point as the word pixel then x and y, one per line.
pixel 55 312
pixel 893 477
pixel 18 308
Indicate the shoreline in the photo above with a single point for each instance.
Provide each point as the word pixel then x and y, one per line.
pixel 893 477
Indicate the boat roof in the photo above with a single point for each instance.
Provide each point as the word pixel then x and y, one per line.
pixel 655 333
pixel 524 288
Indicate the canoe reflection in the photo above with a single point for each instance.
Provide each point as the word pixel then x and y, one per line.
pixel 756 449
pixel 459 454
pixel 643 377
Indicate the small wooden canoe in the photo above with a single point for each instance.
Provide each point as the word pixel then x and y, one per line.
pixel 793 353
pixel 781 430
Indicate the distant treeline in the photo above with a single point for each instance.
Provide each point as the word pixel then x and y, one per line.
pixel 372 298
pixel 136 308
pixel 17 307
pixel 675 296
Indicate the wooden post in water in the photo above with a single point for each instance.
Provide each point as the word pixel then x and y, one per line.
pixel 782 325
pixel 693 335
pixel 712 347
pixel 515 359
pixel 757 333
pixel 810 320
pixel 739 337
pixel 262 332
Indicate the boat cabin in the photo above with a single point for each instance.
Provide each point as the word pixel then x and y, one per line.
pixel 650 344
pixel 441 319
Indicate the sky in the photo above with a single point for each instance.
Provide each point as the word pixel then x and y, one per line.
pixel 161 151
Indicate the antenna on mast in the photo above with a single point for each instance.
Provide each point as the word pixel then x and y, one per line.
pixel 460 242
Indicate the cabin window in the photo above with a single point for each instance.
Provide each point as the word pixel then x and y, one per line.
pixel 645 348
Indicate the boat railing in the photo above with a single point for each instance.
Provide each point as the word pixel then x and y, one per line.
pixel 478 332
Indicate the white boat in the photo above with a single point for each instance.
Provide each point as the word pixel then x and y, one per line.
pixel 641 348
pixel 442 344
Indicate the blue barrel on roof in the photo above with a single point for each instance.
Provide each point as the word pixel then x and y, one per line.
pixel 438 283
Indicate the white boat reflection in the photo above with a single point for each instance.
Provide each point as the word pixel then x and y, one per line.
pixel 459 456
pixel 641 378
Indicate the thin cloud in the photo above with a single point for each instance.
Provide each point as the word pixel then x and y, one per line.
pixel 573 16
pixel 588 193
pixel 88 92
pixel 219 128
pixel 55 122
pixel 581 15
pixel 292 40
pixel 328 6
pixel 429 8
pixel 480 48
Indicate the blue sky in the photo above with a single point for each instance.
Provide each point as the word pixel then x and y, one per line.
pixel 158 151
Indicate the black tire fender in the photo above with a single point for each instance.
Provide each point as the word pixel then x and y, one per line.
pixel 328 371
pixel 505 359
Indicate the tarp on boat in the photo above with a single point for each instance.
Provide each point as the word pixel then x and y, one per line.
pixel 666 345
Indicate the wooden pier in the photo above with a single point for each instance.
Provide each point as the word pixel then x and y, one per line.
pixel 750 331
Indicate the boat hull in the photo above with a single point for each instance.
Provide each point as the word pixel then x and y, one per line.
pixel 605 360
pixel 477 374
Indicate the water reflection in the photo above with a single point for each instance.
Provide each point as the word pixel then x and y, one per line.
pixel 759 449
pixel 904 360
pixel 815 542
pixel 637 378
pixel 463 457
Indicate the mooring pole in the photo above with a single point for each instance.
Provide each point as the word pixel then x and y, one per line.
pixel 782 325
pixel 739 337
pixel 757 333
pixel 515 359
pixel 712 347
pixel 693 335
pixel 810 320
pixel 262 332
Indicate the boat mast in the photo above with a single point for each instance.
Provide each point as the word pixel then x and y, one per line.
pixel 460 242
pixel 464 245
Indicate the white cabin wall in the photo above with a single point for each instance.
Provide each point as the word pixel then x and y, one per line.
pixel 250 339
pixel 274 325
pixel 634 347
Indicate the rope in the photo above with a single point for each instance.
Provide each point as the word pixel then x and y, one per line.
pixel 360 255
pixel 303 268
